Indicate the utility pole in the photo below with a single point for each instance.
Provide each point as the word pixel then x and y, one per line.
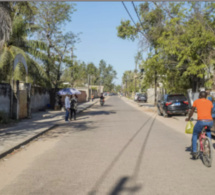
pixel 88 78
pixel 72 57
pixel 155 87
pixel 135 75
pixel 126 87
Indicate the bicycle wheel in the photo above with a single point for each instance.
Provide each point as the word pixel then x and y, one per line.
pixel 198 148
pixel 207 154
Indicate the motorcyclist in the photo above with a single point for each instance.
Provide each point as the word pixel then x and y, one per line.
pixel 102 97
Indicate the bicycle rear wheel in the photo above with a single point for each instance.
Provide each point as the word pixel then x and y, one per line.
pixel 198 148
pixel 207 155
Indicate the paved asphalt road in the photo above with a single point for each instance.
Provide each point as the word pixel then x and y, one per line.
pixel 110 150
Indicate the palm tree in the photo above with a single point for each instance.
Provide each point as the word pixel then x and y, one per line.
pixel 18 43
pixel 5 23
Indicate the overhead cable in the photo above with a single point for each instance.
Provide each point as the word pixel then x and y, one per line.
pixel 131 18
pixel 139 20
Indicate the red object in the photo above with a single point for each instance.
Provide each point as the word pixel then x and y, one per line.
pixel 185 102
pixel 168 103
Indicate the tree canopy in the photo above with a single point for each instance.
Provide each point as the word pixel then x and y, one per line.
pixel 180 37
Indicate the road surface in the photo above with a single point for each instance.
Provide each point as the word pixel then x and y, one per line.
pixel 111 150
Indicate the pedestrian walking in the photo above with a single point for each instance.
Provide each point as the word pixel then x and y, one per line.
pixel 67 107
pixel 92 97
pixel 73 107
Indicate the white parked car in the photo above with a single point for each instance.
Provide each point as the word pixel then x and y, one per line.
pixel 136 96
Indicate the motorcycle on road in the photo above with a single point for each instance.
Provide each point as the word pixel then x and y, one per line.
pixel 102 101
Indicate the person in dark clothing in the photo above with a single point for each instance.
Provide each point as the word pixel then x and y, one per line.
pixel 73 107
pixel 60 102
pixel 102 97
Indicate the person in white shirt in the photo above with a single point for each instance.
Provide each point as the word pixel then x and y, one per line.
pixel 67 107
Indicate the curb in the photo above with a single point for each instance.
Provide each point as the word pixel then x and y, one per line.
pixel 136 103
pixel 26 141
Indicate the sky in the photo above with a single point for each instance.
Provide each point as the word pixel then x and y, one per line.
pixel 97 22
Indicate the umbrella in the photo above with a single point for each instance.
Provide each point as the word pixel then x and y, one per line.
pixel 69 91
pixel 75 91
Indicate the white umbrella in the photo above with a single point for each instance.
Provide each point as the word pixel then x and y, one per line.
pixel 75 91
pixel 69 91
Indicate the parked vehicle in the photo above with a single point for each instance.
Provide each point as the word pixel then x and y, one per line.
pixel 142 98
pixel 136 96
pixel 170 104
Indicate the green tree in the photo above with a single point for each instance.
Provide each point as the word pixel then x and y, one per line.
pixel 51 16
pixel 5 23
pixel 118 88
pixel 106 76
pixel 92 73
pixel 75 74
pixel 181 38
pixel 21 14
pixel 128 82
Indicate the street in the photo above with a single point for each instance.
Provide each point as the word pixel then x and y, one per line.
pixel 110 150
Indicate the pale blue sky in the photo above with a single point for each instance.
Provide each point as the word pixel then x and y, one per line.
pixel 97 21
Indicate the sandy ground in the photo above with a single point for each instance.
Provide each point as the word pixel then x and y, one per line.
pixel 14 164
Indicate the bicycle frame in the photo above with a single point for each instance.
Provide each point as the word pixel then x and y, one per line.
pixel 204 147
pixel 202 136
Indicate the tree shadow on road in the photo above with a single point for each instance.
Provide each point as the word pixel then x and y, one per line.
pixel 69 128
pixel 101 112
pixel 120 185
pixel 81 124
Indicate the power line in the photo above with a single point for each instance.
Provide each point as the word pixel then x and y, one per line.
pixel 128 13
pixel 139 20
pixel 131 17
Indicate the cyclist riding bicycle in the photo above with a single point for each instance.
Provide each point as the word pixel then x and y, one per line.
pixel 204 111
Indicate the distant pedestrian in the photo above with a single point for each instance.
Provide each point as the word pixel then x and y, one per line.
pixel 92 97
pixel 67 107
pixel 73 107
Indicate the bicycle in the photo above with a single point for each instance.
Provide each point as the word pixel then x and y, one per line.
pixel 204 147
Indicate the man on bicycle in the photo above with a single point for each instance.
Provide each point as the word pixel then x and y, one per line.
pixel 204 111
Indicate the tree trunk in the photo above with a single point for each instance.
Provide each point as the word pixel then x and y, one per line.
pixel 155 88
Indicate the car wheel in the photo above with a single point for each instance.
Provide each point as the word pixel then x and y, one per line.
pixel 165 114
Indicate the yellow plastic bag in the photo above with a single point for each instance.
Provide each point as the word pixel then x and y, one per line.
pixel 189 127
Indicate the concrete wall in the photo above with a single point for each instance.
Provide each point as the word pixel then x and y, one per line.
pixel 5 91
pixel 39 99
pixel 82 97
pixel 151 95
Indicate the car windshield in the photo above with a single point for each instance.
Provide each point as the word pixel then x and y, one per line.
pixel 176 97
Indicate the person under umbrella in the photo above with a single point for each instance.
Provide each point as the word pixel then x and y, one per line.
pixel 73 107
pixel 67 107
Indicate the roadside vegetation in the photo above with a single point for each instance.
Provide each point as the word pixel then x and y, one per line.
pixel 180 40
pixel 36 30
